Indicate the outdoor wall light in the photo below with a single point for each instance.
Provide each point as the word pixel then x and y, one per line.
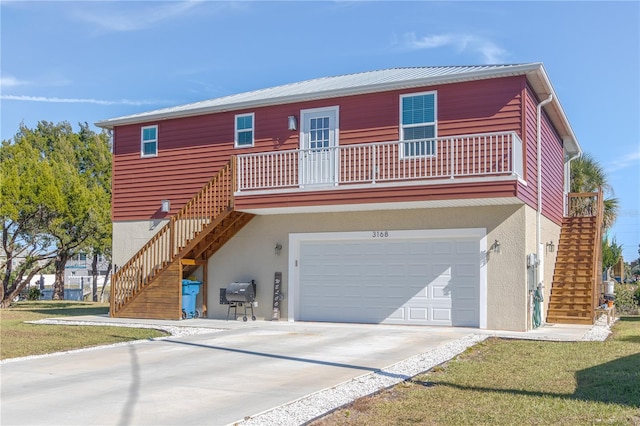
pixel 495 247
pixel 277 249
pixel 165 206
pixel 550 247
pixel 293 122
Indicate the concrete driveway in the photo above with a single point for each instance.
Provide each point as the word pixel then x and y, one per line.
pixel 207 379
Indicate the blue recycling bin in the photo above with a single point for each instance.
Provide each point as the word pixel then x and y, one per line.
pixel 190 290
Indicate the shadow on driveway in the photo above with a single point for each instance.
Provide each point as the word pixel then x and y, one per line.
pixel 295 359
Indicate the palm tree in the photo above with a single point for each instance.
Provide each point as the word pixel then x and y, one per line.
pixel 588 176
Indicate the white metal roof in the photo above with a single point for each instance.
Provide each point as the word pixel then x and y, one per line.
pixel 360 83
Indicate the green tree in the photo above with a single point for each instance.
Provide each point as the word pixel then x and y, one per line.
pixel 97 169
pixel 26 180
pixel 588 176
pixel 611 254
pixel 73 202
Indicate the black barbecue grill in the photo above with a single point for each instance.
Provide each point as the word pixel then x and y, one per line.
pixel 239 295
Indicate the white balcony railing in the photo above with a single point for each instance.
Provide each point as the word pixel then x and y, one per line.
pixel 479 155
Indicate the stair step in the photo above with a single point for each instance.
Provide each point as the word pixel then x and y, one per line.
pixel 570 298
pixel 569 320
pixel 566 288
pixel 575 252
pixel 578 219
pixel 570 289
pixel 572 244
pixel 573 227
pixel 569 307
pixel 575 265
pixel 575 283
pixel 579 223
pixel 564 251
pixel 569 312
pixel 571 274
pixel 577 232
pixel 584 250
pixel 572 249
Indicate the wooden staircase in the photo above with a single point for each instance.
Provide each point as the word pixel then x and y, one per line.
pixel 149 285
pixel 577 280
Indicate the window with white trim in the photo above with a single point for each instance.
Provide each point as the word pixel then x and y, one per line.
pixel 149 141
pixel 418 124
pixel 244 129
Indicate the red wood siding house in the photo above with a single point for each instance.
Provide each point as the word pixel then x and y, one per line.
pixel 484 154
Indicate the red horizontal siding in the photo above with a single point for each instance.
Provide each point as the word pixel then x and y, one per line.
pixel 552 154
pixel 552 173
pixel 193 149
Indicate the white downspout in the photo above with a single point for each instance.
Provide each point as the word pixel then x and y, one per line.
pixel 567 181
pixel 539 248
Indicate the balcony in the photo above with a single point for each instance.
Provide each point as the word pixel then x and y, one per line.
pixel 488 156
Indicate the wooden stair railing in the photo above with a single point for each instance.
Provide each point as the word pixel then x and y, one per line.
pixel 168 244
pixel 577 278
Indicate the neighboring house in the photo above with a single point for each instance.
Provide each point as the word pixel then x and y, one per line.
pixel 80 265
pixel 427 195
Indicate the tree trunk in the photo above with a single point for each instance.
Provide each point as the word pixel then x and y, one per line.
pixel 94 273
pixel 106 278
pixel 16 287
pixel 7 277
pixel 58 286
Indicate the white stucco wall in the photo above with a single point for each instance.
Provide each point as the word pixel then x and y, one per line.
pixel 251 255
pixel 130 236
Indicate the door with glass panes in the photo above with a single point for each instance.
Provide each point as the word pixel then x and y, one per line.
pixel 318 145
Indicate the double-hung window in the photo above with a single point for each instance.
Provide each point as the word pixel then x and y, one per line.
pixel 149 141
pixel 244 130
pixel 418 124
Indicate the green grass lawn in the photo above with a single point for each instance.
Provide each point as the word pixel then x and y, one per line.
pixel 511 382
pixel 18 338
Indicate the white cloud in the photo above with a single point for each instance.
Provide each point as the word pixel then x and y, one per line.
pixel 135 15
pixel 490 52
pixel 76 100
pixel 428 42
pixel 624 161
pixel 8 81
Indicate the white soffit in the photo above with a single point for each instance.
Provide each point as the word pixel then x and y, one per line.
pixel 338 208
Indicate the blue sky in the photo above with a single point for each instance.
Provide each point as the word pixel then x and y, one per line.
pixel 88 61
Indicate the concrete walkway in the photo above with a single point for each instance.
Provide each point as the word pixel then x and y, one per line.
pixel 219 372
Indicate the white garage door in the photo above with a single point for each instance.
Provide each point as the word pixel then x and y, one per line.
pixel 429 281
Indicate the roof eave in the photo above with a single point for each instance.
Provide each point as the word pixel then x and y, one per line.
pixel 541 84
pixel 326 94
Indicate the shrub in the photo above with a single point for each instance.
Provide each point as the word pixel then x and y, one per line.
pixel 34 294
pixel 626 301
pixel 636 295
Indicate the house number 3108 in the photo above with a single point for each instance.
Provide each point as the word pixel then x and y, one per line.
pixel 380 234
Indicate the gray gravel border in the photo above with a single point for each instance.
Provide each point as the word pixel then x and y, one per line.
pixel 600 330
